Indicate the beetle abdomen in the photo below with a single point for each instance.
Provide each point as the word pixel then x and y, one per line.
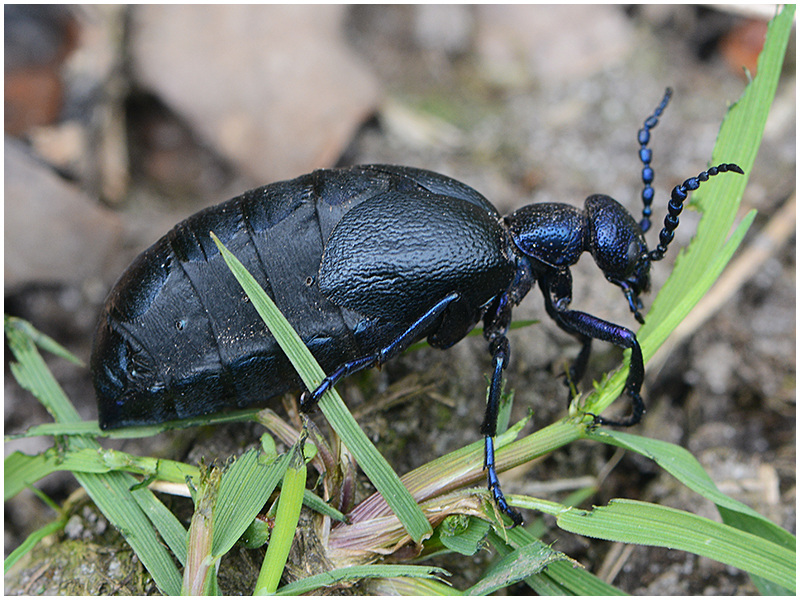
pixel 178 337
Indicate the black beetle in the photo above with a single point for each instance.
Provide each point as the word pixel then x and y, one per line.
pixel 363 262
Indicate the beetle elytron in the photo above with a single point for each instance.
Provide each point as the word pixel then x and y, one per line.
pixel 362 262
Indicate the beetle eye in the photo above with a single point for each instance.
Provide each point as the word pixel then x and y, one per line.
pixel 633 254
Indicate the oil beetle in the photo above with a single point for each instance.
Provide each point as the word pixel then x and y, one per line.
pixel 363 262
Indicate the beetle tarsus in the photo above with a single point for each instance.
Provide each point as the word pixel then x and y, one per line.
pixel 494 484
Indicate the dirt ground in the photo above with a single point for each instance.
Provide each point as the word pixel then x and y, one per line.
pixel 525 105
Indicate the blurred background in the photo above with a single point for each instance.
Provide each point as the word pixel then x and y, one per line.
pixel 121 121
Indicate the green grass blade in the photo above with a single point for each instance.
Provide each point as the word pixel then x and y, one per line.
pixel 288 515
pixel 309 584
pixel 463 534
pixel 317 504
pixel 164 520
pixel 519 564
pixel 53 429
pixel 33 539
pixel 767 588
pixel 111 493
pixel 332 406
pixel 233 416
pixel 21 470
pixel 718 199
pixel 33 375
pixel 684 467
pixel 562 578
pixel 41 340
pixel 410 586
pixel 635 522
pixel 245 488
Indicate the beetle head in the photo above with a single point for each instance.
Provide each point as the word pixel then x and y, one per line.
pixel 617 244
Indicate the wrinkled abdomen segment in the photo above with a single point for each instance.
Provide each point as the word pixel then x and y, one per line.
pixel 180 338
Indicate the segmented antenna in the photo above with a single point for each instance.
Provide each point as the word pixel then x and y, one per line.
pixel 675 206
pixel 646 155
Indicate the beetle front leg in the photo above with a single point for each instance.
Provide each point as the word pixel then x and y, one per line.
pixel 587 327
pixel 557 290
pixel 500 354
pixel 578 368
pixel 624 338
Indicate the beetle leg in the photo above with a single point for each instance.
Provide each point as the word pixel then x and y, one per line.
pixel 578 368
pixel 500 354
pixel 309 399
pixel 587 327
pixel 557 290
pixel 624 338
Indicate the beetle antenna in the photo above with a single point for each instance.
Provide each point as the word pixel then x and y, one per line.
pixel 646 155
pixel 675 206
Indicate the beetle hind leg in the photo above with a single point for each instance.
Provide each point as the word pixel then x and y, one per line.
pixel 308 400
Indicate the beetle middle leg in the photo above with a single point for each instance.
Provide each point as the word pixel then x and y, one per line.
pixel 495 326
pixel 585 328
pixel 309 399
pixel 500 353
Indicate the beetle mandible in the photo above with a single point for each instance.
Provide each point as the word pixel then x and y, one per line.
pixel 363 262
